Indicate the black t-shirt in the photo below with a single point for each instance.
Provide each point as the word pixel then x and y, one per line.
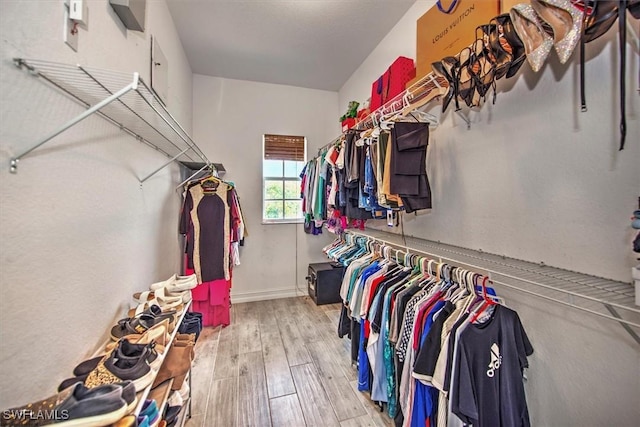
pixel 487 388
pixel 427 357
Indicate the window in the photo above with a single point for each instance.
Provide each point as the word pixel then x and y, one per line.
pixel 283 160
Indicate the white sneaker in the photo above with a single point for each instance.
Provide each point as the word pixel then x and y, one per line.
pixel 184 391
pixel 162 284
pixel 183 283
pixel 175 399
pixel 176 284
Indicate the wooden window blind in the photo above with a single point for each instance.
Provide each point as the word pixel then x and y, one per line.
pixel 284 147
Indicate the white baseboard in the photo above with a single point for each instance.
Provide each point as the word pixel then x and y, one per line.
pixel 264 295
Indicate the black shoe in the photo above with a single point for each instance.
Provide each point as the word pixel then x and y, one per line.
pixel 124 350
pixel 111 370
pixel 75 406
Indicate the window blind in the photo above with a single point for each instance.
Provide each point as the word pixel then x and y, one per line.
pixel 284 147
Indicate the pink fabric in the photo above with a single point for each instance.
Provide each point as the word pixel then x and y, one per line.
pixel 212 299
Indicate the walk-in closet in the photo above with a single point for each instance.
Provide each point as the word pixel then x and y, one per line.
pixel 275 213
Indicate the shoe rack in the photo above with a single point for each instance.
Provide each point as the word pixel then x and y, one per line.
pixel 161 392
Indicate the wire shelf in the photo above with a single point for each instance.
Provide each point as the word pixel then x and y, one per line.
pixel 596 295
pixel 123 99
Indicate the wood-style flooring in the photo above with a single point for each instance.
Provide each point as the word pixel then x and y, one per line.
pixel 279 363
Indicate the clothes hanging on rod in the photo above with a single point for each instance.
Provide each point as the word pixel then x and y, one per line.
pixel 435 346
pixel 212 221
pixel 366 174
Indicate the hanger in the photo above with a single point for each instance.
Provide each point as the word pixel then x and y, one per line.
pixel 413 111
pixel 488 302
pixel 210 184
pixel 427 95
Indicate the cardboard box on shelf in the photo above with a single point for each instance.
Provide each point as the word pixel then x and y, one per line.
pixel 392 82
pixel 446 34
pixel 506 5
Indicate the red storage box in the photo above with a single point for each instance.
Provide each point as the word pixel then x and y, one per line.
pixel 362 114
pixel 393 82
pixel 348 124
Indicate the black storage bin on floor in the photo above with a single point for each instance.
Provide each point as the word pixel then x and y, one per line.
pixel 324 281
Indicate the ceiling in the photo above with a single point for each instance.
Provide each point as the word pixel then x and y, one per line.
pixel 308 43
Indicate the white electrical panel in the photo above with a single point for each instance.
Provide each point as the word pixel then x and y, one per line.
pixel 79 12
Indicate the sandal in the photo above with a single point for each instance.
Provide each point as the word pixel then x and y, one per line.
pixel 159 334
pixel 165 307
pixel 163 297
pixel 483 68
pixel 140 324
pixel 132 326
pixel 501 49
pixel 508 40
pixel 466 82
pixel 447 68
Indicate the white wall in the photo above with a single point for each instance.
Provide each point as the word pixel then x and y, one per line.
pixel 77 233
pixel 515 185
pixel 230 118
pixel 537 179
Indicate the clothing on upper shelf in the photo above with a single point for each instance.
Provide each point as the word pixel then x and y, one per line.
pixel 364 175
pixel 436 348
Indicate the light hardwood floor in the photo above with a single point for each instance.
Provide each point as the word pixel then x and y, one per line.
pixel 279 363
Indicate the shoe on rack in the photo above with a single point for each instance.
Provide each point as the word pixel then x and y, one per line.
pixel 177 283
pixel 140 324
pixel 633 6
pixel 448 68
pixel 165 307
pixel 128 421
pixel 176 364
pixel 124 350
pixel 183 283
pixel 193 314
pixel 70 382
pixel 175 399
pixel 74 407
pixel 111 370
pixel 566 21
pixel 466 82
pixel 171 414
pixel 162 297
pixel 185 338
pixel 159 334
pixel 185 391
pixel 191 326
pixel 163 283
pixel 128 390
pixel 150 410
pixel 507 40
pixel 129 395
pixel 143 421
pixel 536 41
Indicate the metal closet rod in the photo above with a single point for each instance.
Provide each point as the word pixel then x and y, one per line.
pixel 65 72
pixel 609 305
pixel 416 91
pixel 207 165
